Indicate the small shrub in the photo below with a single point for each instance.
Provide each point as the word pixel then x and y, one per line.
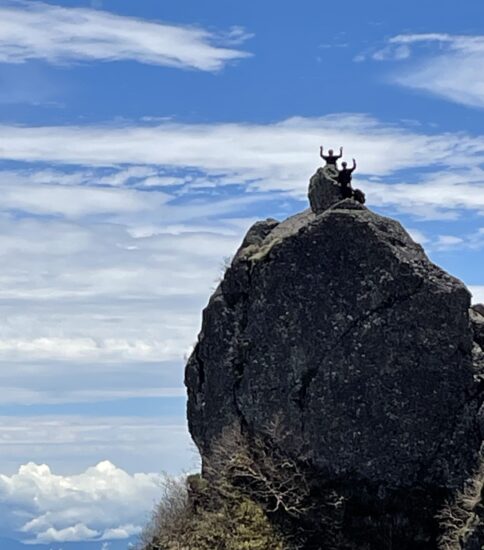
pixel 459 518
pixel 189 517
pixel 170 517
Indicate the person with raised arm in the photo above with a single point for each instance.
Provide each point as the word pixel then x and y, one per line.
pixel 330 158
pixel 344 178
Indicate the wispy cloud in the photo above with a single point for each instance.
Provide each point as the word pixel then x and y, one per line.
pixel 263 157
pixel 92 310
pixel 435 195
pixel 442 64
pixel 36 30
pixel 72 443
pixel 98 293
pixel 284 149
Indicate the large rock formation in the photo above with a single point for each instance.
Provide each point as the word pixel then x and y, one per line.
pixel 337 325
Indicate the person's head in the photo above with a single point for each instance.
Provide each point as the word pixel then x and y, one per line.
pixel 330 151
pixel 344 164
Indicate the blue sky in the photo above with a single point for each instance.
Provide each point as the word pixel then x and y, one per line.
pixel 138 142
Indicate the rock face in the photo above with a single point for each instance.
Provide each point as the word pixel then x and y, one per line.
pixel 477 318
pixel 324 191
pixel 338 325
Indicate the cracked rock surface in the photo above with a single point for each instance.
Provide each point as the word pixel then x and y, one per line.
pixel 338 325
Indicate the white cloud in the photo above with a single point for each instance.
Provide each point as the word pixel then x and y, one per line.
pixel 445 242
pixel 418 235
pixel 121 532
pixel 91 311
pixel 95 293
pixel 75 533
pixel 278 156
pixel 73 442
pixel 79 201
pixel 436 242
pixel 463 43
pixel 477 294
pixel 102 503
pixel 438 194
pixel 94 314
pixel 391 53
pixel 86 348
pixel 444 65
pixel 36 30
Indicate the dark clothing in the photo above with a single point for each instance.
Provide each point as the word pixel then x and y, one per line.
pixel 346 191
pixel 359 196
pixel 344 176
pixel 331 159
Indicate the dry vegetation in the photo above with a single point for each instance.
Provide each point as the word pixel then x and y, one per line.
pixel 195 514
pixel 249 493
pixel 460 518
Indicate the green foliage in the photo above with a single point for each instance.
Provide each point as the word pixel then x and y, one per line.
pixel 252 530
pixel 190 517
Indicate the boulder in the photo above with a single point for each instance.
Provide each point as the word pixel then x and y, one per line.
pixel 335 323
pixel 324 190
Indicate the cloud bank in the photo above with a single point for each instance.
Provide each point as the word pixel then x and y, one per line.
pixel 70 443
pixel 102 503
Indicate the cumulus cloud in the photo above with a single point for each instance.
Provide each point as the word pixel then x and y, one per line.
pixel 36 30
pixel 442 64
pixel 102 503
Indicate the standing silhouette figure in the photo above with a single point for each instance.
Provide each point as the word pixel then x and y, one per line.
pixel 330 158
pixel 344 179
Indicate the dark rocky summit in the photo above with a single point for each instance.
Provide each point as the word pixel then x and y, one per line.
pixel 324 190
pixel 335 324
